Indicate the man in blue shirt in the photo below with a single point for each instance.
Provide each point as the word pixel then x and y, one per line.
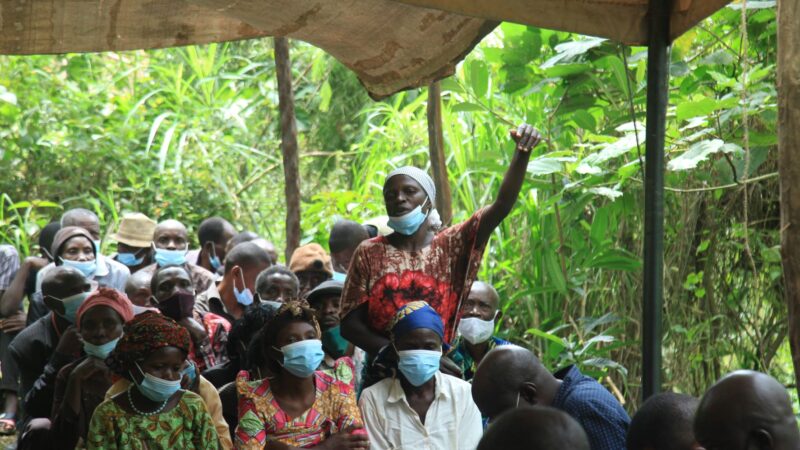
pixel 479 314
pixel 512 376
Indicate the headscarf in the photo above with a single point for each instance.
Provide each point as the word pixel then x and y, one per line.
pixel 418 175
pixel 413 316
pixel 64 235
pixel 105 296
pixel 424 180
pixel 146 333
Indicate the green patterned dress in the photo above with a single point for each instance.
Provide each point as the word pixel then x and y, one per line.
pixel 186 426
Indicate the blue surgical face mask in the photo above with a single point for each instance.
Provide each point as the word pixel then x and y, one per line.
pixel 418 366
pixel 87 268
pixel 408 223
pixel 339 276
pixel 166 257
pixel 215 262
pixel 273 304
pixel 100 352
pixel 244 297
pixel 302 358
pixel 97 246
pixel 129 259
pixel 71 305
pixel 157 389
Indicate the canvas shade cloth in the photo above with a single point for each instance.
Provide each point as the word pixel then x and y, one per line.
pixel 390 45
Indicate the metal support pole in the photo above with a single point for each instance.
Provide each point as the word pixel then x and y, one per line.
pixel 657 99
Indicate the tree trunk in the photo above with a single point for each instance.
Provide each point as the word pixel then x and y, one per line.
pixel 291 171
pixel 444 202
pixel 789 163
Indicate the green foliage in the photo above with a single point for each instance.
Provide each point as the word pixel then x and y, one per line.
pixel 192 132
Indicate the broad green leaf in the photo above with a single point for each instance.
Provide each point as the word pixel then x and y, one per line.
pixel 467 106
pixel 702 107
pixel 695 155
pixel 611 194
pixel 544 166
pixel 325 94
pixel 570 50
pixel 478 75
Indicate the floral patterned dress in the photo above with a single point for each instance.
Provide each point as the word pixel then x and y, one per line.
pixel 441 274
pixel 186 426
pixel 261 418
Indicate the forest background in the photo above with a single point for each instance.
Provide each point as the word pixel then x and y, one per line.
pixel 192 132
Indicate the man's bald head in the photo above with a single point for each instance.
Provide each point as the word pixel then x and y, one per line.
pixel 64 281
pixel 485 291
pixel 510 376
pixel 746 410
pixel 534 428
pixel 137 288
pixel 81 217
pixel 171 235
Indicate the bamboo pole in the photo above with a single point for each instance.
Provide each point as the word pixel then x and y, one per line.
pixel 789 164
pixel 291 170
pixel 444 201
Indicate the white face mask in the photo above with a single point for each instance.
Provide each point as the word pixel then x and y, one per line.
pixel 475 330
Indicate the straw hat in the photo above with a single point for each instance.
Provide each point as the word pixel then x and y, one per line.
pixel 135 230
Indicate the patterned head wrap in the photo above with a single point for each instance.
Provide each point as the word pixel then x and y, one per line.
pixel 413 316
pixel 418 175
pixel 105 296
pixel 146 333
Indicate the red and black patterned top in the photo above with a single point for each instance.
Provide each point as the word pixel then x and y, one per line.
pixel 441 274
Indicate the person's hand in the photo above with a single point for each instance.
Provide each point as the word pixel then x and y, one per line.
pixel 14 323
pixel 70 342
pixel 526 137
pixel 35 262
pixel 87 368
pixel 348 439
pixel 195 329
pixel 447 366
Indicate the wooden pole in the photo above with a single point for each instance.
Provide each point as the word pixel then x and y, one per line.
pixel 653 280
pixel 444 201
pixel 291 170
pixel 789 163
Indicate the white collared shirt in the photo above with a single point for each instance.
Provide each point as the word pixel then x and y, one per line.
pixel 452 422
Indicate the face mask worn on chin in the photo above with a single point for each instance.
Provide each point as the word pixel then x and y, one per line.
pixel 273 304
pixel 334 343
pixel 302 358
pixel 166 257
pixel 100 352
pixel 87 268
pixel 339 276
pixel 245 297
pixel 157 389
pixel 71 305
pixel 418 366
pixel 179 306
pixel 129 259
pixel 408 223
pixel 475 330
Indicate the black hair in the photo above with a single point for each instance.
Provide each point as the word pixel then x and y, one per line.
pixel 213 230
pixel 288 313
pixel 663 422
pixel 47 235
pixel 243 334
pixel 346 234
pixel 246 254
pixel 243 236
pixel 154 280
pixel 262 281
pixel 534 428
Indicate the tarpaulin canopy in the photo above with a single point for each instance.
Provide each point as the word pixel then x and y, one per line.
pixel 390 45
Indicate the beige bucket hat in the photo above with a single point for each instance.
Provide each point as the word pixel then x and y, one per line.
pixel 135 230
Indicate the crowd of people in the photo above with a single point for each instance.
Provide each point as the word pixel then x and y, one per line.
pixel 384 341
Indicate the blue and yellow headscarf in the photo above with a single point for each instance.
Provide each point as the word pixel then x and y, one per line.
pixel 416 315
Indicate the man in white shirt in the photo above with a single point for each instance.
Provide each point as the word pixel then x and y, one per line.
pixel 420 408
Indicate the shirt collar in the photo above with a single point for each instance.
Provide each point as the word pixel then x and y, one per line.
pixel 102 267
pixel 397 394
pixel 212 293
pixel 567 376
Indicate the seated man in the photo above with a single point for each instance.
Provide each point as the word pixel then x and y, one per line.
pixel 234 293
pixel 510 377
pixel 420 407
pixel 479 314
pixel 213 235
pixel 277 285
pixel 534 428
pixel 345 237
pixel 324 300
pixel 746 410
pixel 664 422
pixel 174 296
pixel 50 343
pixel 134 237
pixel 312 266
pixel 171 243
